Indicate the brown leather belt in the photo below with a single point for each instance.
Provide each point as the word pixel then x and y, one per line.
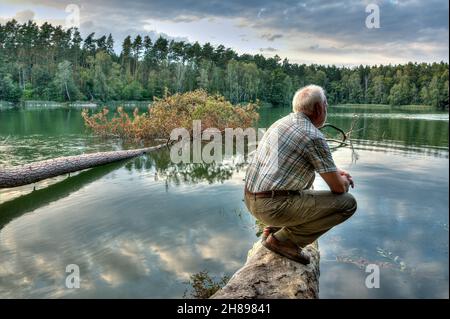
pixel 272 193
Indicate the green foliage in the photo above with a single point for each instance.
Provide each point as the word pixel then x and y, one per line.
pixel 9 91
pixel 65 88
pixel 28 92
pixel 132 91
pixel 48 62
pixel 203 286
pixel 281 88
pixel 105 75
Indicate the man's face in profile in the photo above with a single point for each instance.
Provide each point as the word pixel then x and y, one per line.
pixel 322 114
pixel 325 111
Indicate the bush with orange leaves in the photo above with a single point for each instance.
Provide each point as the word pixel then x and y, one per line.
pixel 170 112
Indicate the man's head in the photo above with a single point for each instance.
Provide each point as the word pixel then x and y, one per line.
pixel 311 101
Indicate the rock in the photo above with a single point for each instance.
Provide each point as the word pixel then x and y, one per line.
pixel 267 275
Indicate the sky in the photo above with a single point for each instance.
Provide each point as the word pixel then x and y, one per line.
pixel 321 31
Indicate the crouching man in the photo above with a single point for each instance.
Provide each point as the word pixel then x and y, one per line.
pixel 282 171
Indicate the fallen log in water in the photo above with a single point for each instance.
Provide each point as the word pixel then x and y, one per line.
pixel 267 275
pixel 34 172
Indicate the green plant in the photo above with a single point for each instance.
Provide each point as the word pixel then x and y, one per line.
pixel 203 286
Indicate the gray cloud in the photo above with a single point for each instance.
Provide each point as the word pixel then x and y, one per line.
pixel 24 16
pixel 185 18
pixel 268 49
pixel 244 38
pixel 271 37
pixel 87 25
pixel 408 23
pixel 411 24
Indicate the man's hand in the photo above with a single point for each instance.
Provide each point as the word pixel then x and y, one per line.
pixel 338 183
pixel 349 177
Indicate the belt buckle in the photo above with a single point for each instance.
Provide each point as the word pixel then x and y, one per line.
pixel 273 194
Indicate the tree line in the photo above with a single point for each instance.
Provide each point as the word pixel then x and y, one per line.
pixel 52 63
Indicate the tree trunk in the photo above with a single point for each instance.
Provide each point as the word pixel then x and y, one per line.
pixel 34 172
pixel 67 90
pixel 267 275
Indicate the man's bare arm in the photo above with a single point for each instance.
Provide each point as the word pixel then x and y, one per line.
pixel 337 182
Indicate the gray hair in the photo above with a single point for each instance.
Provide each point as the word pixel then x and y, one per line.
pixel 307 97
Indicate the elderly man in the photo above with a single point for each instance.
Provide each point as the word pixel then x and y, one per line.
pixel 282 171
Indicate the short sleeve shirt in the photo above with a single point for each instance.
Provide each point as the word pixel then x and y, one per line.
pixel 288 155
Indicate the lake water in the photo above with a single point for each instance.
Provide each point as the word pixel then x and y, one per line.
pixel 139 229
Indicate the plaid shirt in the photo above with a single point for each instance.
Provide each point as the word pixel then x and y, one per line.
pixel 287 156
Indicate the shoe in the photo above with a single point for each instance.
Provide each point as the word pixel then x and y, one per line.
pixel 286 249
pixel 269 230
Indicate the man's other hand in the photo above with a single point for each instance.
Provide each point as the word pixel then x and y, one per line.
pixel 348 176
pixel 338 183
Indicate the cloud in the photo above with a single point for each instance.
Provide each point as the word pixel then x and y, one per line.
pixel 21 17
pixel 87 25
pixel 185 18
pixel 244 37
pixel 260 12
pixel 24 16
pixel 268 49
pixel 271 37
pixel 418 28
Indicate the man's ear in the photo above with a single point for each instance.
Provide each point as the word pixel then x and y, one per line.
pixel 317 111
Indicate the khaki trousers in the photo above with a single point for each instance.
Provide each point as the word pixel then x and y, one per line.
pixel 304 217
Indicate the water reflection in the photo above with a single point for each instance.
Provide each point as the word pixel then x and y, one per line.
pixel 144 242
pixel 394 147
pixel 140 228
pixel 373 127
pixel 157 165
pixel 46 195
pixel 401 225
pixel 185 173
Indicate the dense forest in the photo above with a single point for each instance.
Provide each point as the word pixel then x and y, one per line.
pixel 52 63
